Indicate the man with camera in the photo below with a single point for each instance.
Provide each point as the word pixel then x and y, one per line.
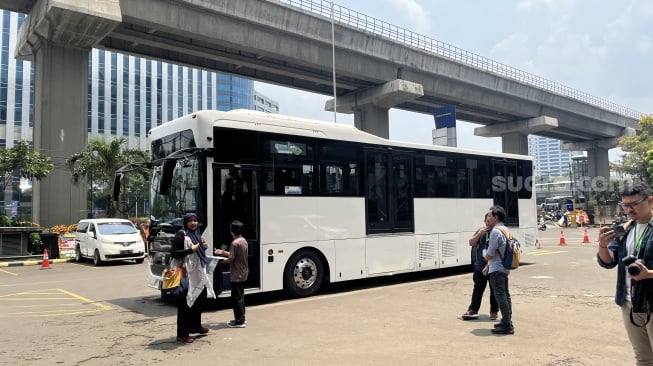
pixel 630 249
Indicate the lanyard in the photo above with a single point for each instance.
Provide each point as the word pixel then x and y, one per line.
pixel 638 240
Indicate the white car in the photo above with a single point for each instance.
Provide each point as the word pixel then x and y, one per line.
pixel 108 240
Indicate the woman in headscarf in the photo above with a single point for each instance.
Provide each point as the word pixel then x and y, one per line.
pixel 188 251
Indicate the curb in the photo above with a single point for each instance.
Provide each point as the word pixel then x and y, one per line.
pixel 33 262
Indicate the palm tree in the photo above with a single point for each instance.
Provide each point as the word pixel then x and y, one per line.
pixel 98 162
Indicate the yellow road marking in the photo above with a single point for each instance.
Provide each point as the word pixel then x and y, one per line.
pixel 9 273
pixel 545 252
pixel 58 305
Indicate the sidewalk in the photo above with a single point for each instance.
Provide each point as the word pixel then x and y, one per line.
pixel 17 262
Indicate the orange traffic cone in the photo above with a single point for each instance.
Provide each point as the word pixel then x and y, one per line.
pixel 586 238
pixel 45 264
pixel 562 238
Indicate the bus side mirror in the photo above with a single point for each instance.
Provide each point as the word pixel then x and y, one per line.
pixel 166 176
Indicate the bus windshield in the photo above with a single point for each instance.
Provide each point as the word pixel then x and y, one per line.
pixel 186 192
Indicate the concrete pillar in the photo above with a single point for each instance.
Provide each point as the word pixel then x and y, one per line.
pixel 370 106
pixel 514 135
pixel 373 119
pixel 598 163
pixel 58 36
pixel 60 120
pixel 514 143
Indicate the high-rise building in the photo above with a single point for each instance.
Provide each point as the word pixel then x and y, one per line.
pixel 127 96
pixel 550 160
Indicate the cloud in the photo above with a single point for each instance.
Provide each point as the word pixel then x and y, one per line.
pixel 418 17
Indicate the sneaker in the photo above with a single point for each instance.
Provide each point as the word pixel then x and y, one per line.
pixel 470 314
pixel 503 330
pixel 235 324
pixel 494 315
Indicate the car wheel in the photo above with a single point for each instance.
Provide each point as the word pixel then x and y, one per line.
pixel 304 274
pixel 78 254
pixel 96 258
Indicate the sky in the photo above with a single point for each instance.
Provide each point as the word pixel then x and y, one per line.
pixel 601 48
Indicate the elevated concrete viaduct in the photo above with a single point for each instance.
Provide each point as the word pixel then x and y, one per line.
pixel 277 43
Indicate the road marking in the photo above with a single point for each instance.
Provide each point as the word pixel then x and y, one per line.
pixel 9 273
pixel 48 303
pixel 85 265
pixel 546 252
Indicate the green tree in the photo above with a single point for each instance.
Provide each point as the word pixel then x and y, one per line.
pixel 25 162
pixel 99 161
pixel 635 162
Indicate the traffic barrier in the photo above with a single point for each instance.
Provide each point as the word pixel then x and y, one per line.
pixel 562 238
pixel 586 238
pixel 45 264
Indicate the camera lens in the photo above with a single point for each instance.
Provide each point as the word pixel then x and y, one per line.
pixel 634 269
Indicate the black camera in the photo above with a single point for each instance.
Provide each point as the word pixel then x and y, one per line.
pixel 619 230
pixel 631 266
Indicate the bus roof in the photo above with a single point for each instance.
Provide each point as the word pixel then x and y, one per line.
pixel 202 123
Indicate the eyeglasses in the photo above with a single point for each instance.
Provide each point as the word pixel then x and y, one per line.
pixel 632 204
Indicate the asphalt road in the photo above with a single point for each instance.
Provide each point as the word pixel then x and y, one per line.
pixel 563 308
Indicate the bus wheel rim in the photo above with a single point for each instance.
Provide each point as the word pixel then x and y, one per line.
pixel 305 273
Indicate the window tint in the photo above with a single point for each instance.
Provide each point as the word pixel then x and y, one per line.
pixel 169 144
pixel 82 227
pixel 452 176
pixel 236 146
pixel 340 165
pixel 377 191
pixel 288 166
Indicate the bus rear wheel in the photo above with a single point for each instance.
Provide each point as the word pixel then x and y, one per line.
pixel 304 274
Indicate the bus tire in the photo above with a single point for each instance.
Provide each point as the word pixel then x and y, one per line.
pixel 304 274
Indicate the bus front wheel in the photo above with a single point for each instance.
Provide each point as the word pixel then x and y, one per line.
pixel 304 274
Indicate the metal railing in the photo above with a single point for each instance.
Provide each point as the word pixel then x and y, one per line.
pixel 366 23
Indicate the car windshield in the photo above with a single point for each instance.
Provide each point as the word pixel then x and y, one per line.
pixel 116 228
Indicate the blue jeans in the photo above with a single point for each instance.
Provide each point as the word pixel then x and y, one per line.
pixel 480 283
pixel 499 283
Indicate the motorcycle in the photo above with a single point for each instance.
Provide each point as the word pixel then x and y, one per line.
pixel 541 226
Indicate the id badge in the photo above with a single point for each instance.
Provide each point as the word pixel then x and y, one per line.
pixel 484 252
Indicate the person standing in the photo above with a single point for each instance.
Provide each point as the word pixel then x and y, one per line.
pixel 497 273
pixel 188 251
pixel 479 242
pixel 633 290
pixel 239 268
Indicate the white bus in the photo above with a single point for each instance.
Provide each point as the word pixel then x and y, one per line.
pixel 324 202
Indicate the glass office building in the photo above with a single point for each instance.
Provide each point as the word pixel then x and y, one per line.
pixel 127 96
pixel 550 160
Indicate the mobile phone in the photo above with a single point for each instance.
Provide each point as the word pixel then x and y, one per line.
pixel 619 231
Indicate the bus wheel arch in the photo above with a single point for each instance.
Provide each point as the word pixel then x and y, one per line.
pixel 305 273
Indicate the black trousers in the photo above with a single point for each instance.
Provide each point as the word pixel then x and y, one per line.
pixel 189 320
pixel 238 301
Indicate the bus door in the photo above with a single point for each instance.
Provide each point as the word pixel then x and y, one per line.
pixel 236 197
pixel 507 185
